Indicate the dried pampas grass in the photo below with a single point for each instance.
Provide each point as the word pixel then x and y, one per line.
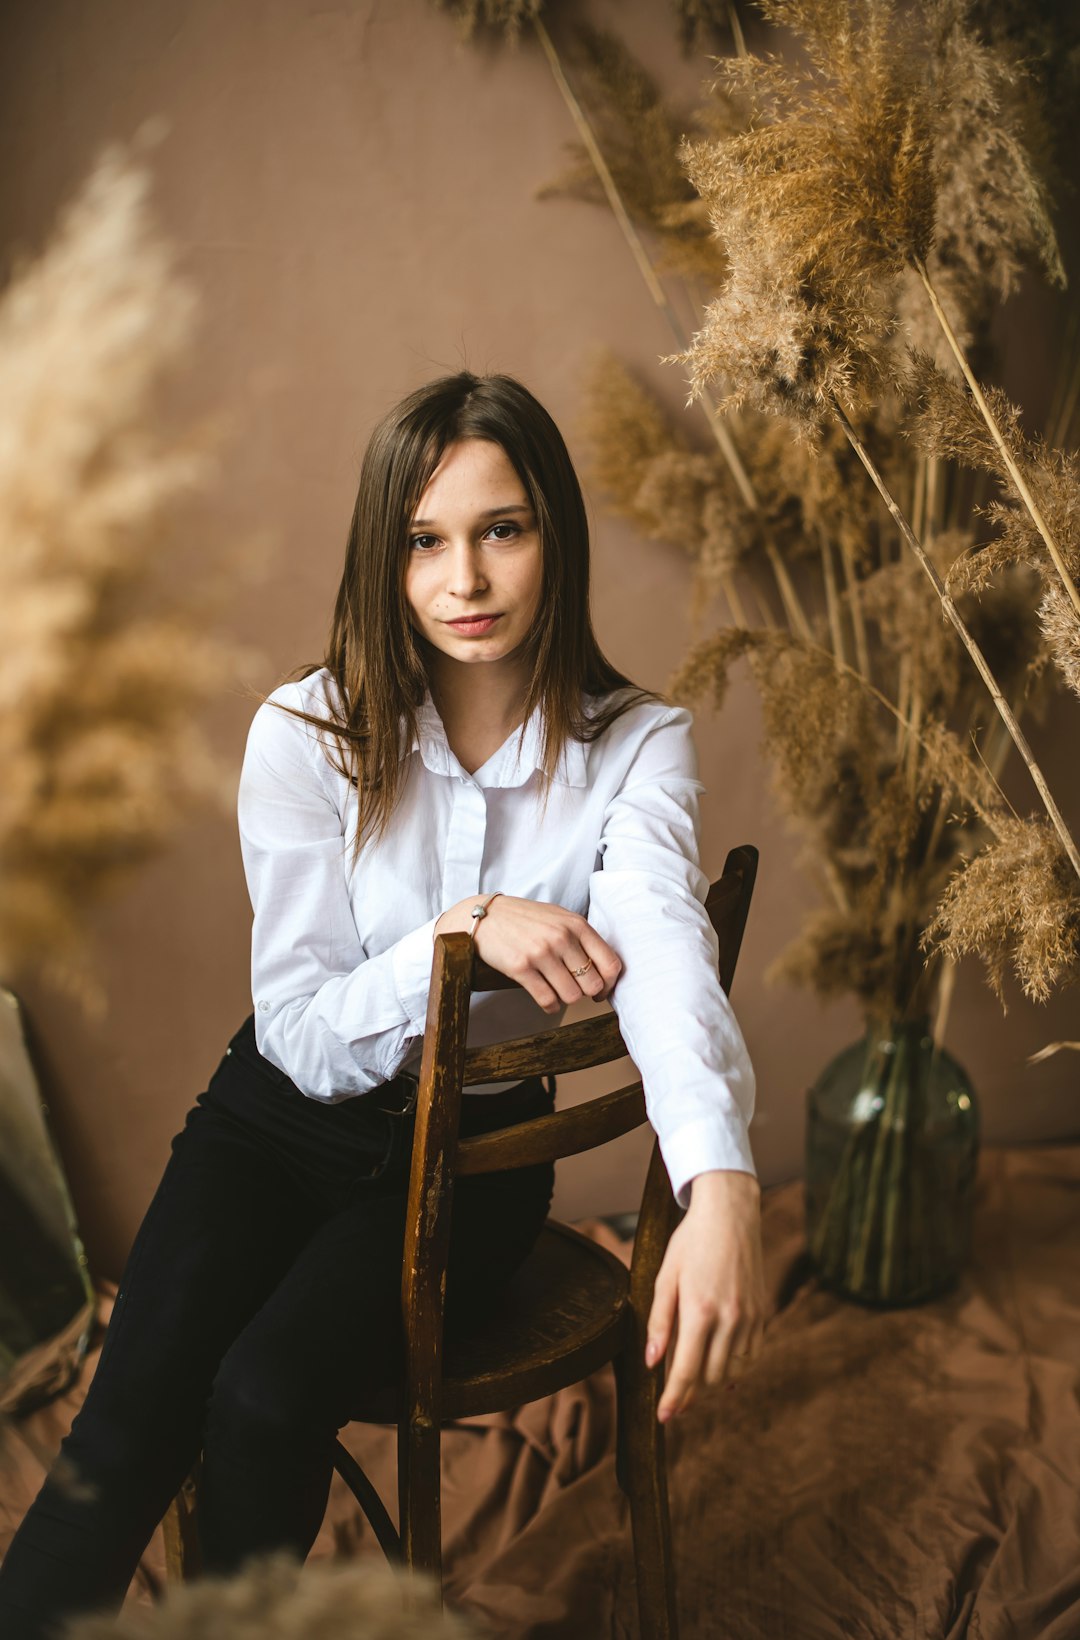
pixel 101 673
pixel 835 193
pixel 651 475
pixel 884 796
pixel 1061 630
pixel 274 1598
pixel 639 136
pixel 946 422
pixel 992 210
pixel 875 843
pixel 892 146
pixel 1016 905
pixel 895 148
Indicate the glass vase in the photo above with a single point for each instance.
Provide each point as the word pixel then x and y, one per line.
pixel 892 1139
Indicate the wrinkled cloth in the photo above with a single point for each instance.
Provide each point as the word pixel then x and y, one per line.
pixel 879 1474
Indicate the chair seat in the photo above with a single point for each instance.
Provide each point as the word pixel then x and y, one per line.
pixel 564 1314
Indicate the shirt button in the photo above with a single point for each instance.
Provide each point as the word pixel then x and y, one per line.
pixel 264 1007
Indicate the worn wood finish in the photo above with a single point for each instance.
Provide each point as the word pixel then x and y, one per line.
pixel 563 1133
pixel 641 1470
pixel 565 1314
pixel 568 1306
pixel 728 905
pixel 427 1243
pixel 574 1047
pixel 640 1451
pixel 571 1308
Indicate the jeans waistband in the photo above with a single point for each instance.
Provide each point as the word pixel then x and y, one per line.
pixel 397 1097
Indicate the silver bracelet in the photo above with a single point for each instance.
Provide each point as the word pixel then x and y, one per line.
pixel 480 909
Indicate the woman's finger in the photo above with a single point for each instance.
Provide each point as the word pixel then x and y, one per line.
pixel 732 1356
pixel 557 943
pixel 583 969
pixel 559 977
pixel 541 992
pixel 661 1320
pixel 694 1336
pixel 605 961
pixel 727 1357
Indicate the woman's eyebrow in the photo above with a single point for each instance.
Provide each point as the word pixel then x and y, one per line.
pixel 488 512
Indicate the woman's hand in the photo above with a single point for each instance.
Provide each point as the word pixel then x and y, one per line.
pixel 552 952
pixel 712 1284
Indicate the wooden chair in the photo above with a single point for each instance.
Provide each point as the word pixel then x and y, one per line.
pixel 572 1307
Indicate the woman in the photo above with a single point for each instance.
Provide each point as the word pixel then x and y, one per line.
pixel 466 759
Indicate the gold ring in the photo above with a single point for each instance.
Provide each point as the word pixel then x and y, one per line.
pixel 577 972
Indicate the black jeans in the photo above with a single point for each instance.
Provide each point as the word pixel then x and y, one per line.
pixel 261 1297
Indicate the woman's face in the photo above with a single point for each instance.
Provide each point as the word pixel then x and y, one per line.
pixel 473 576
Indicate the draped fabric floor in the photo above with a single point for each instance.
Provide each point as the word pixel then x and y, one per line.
pixel 881 1475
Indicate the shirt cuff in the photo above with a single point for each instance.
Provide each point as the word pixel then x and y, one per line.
pixel 413 956
pixel 702 1146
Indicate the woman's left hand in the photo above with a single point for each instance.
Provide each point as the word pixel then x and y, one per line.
pixel 712 1284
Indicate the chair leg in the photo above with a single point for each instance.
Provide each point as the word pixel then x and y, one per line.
pixel 641 1472
pixel 181 1533
pixel 419 1494
pixel 359 1485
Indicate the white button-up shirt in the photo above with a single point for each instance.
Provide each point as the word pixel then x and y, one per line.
pixel 342 950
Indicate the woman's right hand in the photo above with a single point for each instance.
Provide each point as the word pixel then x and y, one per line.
pixel 540 946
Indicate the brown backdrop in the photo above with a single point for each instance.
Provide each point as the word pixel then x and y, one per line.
pixel 354 193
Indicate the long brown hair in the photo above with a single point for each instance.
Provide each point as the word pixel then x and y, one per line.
pixel 372 653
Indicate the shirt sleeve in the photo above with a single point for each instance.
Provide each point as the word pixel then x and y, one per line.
pixel 647 901
pixel 333 1019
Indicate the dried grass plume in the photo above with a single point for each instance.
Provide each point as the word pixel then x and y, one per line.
pixel 276 1599
pixel 640 136
pixel 652 476
pixel 101 673
pixel 1016 906
pixel 893 138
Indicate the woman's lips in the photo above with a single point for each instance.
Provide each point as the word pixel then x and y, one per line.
pixel 473 626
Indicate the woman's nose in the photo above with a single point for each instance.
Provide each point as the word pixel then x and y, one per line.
pixel 466 572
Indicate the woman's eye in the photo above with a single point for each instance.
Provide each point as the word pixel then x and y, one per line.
pixel 510 530
pixel 423 542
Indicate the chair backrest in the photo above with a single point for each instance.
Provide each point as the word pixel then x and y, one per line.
pixel 448 1066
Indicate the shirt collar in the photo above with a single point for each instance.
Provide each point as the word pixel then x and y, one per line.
pixel 512 765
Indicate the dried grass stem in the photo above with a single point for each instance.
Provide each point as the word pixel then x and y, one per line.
pixel 789 597
pixel 725 443
pixel 603 171
pixel 1005 711
pixel 1019 481
pixel 832 599
pixel 734 602
pixel 738 38
pixel 858 625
